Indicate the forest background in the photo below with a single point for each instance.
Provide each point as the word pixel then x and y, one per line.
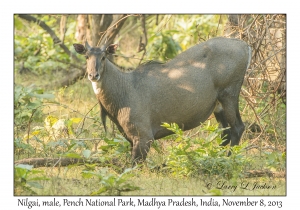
pixel 57 125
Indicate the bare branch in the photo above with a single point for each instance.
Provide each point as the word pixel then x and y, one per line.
pixel 55 39
pixel 110 33
pixel 143 19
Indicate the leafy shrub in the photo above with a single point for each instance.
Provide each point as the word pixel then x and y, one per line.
pixel 275 160
pixel 115 148
pixel 36 49
pixel 50 138
pixel 164 47
pixel 25 179
pixel 27 100
pixel 194 156
pixel 112 184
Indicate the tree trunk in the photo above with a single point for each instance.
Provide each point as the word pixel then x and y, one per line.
pixel 63 27
pixel 81 28
pixel 98 29
pixel 60 162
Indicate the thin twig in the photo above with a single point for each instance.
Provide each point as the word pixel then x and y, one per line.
pixel 143 19
pixel 67 107
pixel 67 63
pixel 259 123
pixel 218 24
pixel 29 122
pixel 104 32
pixel 85 118
pixel 250 26
pixel 163 25
pixel 263 35
pixel 56 162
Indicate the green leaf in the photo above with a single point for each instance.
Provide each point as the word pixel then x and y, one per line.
pixel 90 167
pixel 39 91
pixel 18 23
pixel 20 173
pixel 71 146
pixel 151 38
pixel 87 174
pixel 51 120
pixel 35 184
pixel 29 190
pixel 45 95
pixel 51 52
pixel 36 132
pixel 36 171
pixel 215 192
pixel 72 155
pixel 86 153
pixel 212 136
pixel 127 170
pixel 105 147
pixel 24 166
pixel 100 191
pixel 166 125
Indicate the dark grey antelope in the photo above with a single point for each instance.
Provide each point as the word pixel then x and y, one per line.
pixel 185 90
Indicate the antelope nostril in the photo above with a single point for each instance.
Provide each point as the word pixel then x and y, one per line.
pixel 94 76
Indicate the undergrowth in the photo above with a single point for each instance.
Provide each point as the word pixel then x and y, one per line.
pixel 48 124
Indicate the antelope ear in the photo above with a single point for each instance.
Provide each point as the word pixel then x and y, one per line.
pixel 79 48
pixel 112 48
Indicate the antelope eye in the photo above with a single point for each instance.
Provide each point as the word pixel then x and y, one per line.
pixel 86 56
pixel 103 58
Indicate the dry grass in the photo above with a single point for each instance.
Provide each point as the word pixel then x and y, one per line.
pixel 68 182
pixel 79 98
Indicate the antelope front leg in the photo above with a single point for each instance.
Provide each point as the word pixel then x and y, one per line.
pixel 140 150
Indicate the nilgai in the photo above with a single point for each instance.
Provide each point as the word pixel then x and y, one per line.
pixel 185 90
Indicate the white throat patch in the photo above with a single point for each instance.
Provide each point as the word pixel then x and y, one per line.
pixel 96 87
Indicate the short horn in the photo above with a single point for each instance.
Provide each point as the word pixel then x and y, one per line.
pixel 87 46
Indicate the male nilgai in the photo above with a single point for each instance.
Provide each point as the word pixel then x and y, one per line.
pixel 205 78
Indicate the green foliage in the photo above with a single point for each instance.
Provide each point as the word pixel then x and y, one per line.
pixel 275 160
pixel 51 138
pixel 20 146
pixel 115 147
pixel 215 192
pixel 223 166
pixel 193 29
pixel 35 47
pixel 25 178
pixel 194 156
pixel 27 103
pixel 163 46
pixel 176 33
pixel 112 184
